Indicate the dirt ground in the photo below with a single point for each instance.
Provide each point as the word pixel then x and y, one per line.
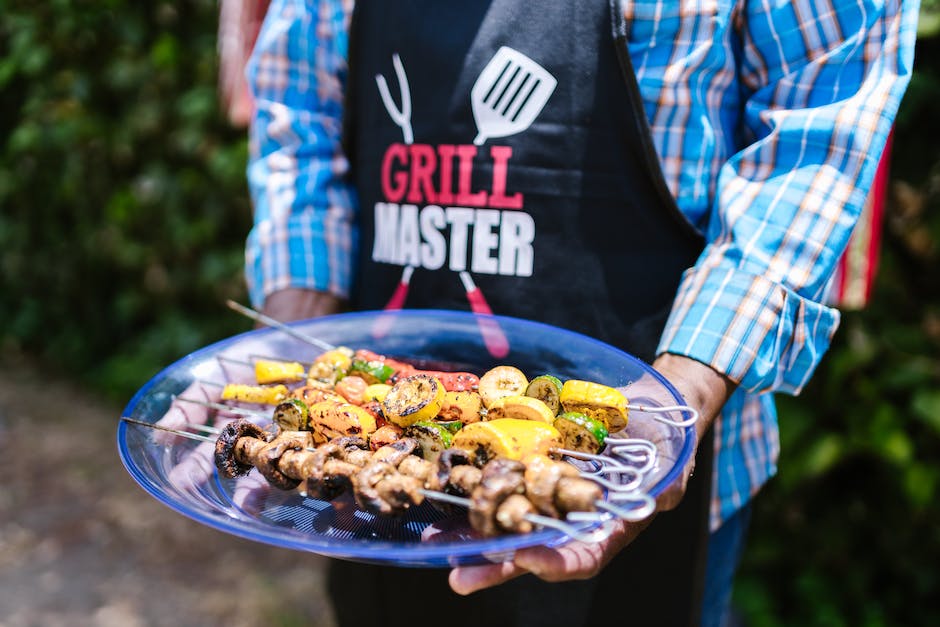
pixel 82 544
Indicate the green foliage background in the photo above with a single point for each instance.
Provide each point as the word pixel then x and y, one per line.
pixel 122 187
pixel 123 211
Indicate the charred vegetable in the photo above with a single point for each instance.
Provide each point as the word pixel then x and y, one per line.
pixel 260 394
pixel 432 438
pixel 506 437
pixel 413 399
pixel 330 420
pixel 521 407
pixel 580 432
pixel 372 371
pixel 596 400
pixel 269 371
pixel 546 388
pixel 502 381
pixel 292 415
pixel 465 406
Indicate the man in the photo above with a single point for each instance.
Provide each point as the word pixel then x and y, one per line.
pixel 677 179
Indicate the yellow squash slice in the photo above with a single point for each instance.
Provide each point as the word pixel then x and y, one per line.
pixel 465 406
pixel 521 407
pixel 329 420
pixel 597 401
pixel 506 437
pixel 376 392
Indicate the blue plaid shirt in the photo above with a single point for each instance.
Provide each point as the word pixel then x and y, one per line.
pixel 769 119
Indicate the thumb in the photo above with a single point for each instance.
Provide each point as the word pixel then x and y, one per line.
pixel 467 579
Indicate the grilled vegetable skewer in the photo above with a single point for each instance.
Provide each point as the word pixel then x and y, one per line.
pixel 572 435
pixel 390 480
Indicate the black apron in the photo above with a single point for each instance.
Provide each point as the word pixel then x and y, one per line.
pixel 503 163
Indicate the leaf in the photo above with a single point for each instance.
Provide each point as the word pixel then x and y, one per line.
pixel 926 407
pixel 896 447
pixel 824 454
pixel 920 484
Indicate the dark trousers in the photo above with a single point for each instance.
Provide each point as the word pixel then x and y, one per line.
pixel 656 580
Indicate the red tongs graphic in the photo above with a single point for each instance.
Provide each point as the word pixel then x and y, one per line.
pixel 384 322
pixel 496 343
pixel 493 337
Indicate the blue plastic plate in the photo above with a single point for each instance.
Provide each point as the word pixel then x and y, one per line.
pixel 180 473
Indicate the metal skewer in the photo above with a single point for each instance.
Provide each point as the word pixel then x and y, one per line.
pixel 223 359
pixel 688 422
pixel 235 411
pixel 609 507
pixel 619 463
pixel 627 456
pixel 257 316
pixel 185 434
pixel 545 521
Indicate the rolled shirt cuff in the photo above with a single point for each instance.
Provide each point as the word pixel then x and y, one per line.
pixel 760 333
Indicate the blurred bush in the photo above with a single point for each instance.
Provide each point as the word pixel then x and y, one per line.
pixel 122 187
pixel 123 212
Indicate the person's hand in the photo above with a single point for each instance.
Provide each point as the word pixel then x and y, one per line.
pixel 299 304
pixel 702 388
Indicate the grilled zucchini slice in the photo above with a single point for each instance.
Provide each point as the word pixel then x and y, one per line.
pixel 292 415
pixel 502 381
pixel 546 388
pixel 433 438
pixel 580 432
pixel 413 399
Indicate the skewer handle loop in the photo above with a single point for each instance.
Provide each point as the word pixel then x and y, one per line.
pixel 644 506
pixel 688 422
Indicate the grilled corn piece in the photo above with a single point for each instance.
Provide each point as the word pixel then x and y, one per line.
pixel 268 371
pixel 261 394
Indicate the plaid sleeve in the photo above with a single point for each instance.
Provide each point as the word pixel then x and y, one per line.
pixel 824 81
pixel 304 232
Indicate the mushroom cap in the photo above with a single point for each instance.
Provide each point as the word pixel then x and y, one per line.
pixel 225 461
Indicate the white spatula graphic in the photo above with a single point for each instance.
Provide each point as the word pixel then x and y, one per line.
pixel 509 94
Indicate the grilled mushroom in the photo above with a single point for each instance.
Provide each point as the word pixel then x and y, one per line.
pixel 225 459
pixel 500 478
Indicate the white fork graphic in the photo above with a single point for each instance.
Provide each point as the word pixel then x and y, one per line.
pixel 401 118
